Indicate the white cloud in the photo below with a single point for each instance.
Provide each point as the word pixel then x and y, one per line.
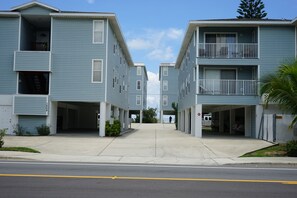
pixel 90 1
pixel 157 44
pixel 153 90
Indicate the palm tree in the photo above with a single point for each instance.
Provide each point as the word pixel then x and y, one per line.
pixel 281 88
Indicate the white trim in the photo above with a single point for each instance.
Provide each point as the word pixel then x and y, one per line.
pixel 49 82
pixel 165 98
pixel 103 24
pixel 51 39
pixel 14 55
pixel 259 42
pixel 31 4
pixel 163 68
pixel 240 22
pixel 17 83
pixel 82 15
pixel 138 68
pixel 102 63
pixel 259 79
pixel 163 85
pixel 197 81
pixel 10 14
pixel 137 85
pixel 138 104
pixel 197 43
pixel 20 30
pixel 106 59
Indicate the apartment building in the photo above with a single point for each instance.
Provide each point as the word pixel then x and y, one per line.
pixel 68 70
pixel 138 90
pixel 221 63
pixel 168 77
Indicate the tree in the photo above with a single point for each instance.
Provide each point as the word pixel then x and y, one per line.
pixel 149 115
pixel 251 9
pixel 281 88
pixel 175 107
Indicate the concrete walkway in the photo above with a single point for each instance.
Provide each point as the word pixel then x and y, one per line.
pixel 148 143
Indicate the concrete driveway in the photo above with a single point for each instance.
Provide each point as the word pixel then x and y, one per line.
pixel 147 143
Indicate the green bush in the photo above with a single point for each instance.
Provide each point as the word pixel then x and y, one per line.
pixel 2 134
pixel 43 130
pixel 114 129
pixel 292 148
pixel 19 130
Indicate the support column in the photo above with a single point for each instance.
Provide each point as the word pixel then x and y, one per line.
pixel 161 116
pixel 116 113
pixel 126 119
pixel 140 116
pixel 193 120
pixel 232 120
pixel 221 121
pixel 108 111
pixel 102 119
pixel 122 118
pixel 247 122
pixel 179 121
pixel 187 120
pixel 51 119
pixel 182 121
pixel 259 121
pixel 198 120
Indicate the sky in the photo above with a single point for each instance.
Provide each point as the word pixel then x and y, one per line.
pixel 154 29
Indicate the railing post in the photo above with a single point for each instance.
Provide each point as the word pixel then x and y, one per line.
pixel 228 86
pixel 213 87
pixel 243 90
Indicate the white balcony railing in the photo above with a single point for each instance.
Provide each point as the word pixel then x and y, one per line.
pixel 228 87
pixel 228 50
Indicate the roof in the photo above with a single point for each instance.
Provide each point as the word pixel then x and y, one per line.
pixel 193 24
pixel 32 4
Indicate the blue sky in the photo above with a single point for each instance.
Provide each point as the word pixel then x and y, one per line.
pixel 154 29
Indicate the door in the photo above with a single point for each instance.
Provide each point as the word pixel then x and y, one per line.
pixel 212 81
pixel 6 120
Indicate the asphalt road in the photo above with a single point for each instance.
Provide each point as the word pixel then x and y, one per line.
pixel 46 179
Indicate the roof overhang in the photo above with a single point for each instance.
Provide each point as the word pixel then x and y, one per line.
pixel 113 22
pixel 10 14
pixel 34 3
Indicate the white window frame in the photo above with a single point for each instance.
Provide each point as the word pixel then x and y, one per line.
pixel 165 100
pixel 165 85
pixel 101 30
pixel 138 99
pixel 138 81
pixel 100 70
pixel 138 71
pixel 165 71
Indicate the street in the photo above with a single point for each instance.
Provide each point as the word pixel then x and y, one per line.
pixel 49 179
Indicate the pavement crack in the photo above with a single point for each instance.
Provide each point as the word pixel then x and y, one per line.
pixel 106 146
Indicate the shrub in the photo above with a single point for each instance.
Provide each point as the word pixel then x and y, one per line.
pixel 19 130
pixel 114 129
pixel 292 148
pixel 43 130
pixel 2 134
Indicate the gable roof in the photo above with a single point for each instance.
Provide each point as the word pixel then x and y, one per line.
pixel 32 4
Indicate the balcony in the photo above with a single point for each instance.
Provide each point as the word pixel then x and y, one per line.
pixel 32 61
pixel 228 87
pixel 228 50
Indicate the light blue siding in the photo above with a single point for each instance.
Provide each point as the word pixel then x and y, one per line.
pixel 227 100
pixel 36 10
pixel 72 54
pixel 30 105
pixel 277 45
pixel 117 65
pixel 32 61
pixel 29 123
pixel 9 36
pixel 172 92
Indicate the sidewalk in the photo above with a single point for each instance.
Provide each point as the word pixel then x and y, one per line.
pixel 148 143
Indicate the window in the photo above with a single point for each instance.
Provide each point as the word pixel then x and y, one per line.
pixel 138 85
pixel 97 73
pixel 165 85
pixel 98 31
pixel 138 71
pixel 33 83
pixel 165 71
pixel 165 100
pixel 138 100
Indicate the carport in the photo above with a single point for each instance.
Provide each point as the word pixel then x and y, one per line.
pixel 78 116
pixel 232 120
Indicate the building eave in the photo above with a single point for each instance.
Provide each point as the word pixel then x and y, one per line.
pixel 10 14
pixel 34 3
